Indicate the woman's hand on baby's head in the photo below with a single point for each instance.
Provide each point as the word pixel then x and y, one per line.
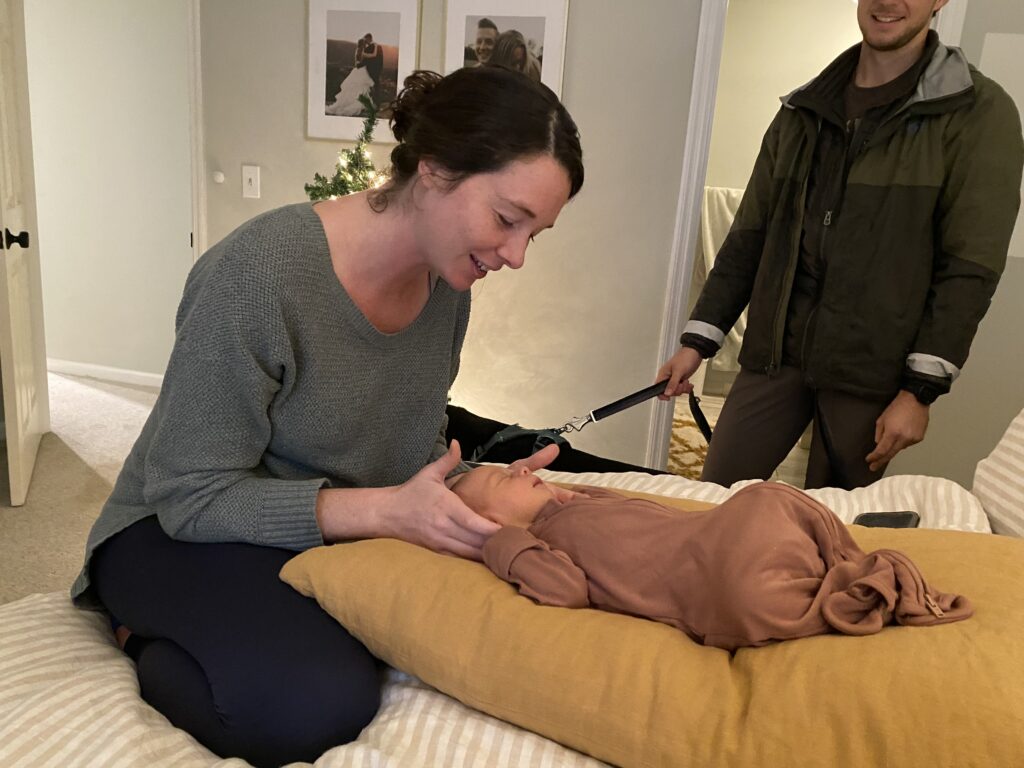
pixel 425 512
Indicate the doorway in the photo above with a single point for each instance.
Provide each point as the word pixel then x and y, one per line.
pixel 749 54
pixel 110 89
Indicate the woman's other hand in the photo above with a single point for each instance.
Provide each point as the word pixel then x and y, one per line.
pixel 539 460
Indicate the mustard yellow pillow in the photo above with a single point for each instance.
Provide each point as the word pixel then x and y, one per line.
pixel 638 693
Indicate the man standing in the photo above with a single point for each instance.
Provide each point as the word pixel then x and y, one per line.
pixel 868 245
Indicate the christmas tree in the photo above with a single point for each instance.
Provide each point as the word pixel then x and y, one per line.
pixel 354 171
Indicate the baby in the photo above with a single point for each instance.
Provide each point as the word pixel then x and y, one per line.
pixel 768 564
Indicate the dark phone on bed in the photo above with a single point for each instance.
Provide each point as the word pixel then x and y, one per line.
pixel 905 519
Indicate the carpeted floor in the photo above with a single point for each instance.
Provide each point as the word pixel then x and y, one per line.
pixel 687 449
pixel 94 425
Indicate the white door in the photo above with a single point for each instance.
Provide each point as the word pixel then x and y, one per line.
pixel 26 405
pixel 109 86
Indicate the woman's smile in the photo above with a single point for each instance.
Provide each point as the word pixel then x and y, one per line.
pixel 482 268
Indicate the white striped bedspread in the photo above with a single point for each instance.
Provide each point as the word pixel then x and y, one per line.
pixel 941 503
pixel 69 698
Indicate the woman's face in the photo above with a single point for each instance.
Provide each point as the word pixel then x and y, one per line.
pixel 486 221
pixel 484 46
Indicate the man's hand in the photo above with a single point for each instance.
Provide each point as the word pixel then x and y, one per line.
pixel 903 423
pixel 678 370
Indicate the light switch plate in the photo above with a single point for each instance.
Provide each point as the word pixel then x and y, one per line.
pixel 250 181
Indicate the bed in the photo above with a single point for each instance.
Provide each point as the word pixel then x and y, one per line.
pixel 68 697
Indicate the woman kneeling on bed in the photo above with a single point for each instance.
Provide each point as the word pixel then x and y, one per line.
pixel 770 563
pixel 304 403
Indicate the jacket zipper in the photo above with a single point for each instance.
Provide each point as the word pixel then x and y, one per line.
pixel 849 134
pixel 780 310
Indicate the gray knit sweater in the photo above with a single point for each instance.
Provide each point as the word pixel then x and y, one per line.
pixel 278 386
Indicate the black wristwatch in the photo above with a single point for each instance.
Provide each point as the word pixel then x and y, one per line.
pixel 925 394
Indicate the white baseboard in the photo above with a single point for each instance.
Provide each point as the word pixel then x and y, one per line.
pixel 105 373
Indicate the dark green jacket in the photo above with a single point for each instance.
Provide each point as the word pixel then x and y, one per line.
pixel 914 252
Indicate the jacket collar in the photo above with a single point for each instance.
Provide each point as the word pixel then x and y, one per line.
pixel 943 73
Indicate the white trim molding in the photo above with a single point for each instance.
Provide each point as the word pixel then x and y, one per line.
pixel 197 139
pixel 105 373
pixel 699 121
pixel 949 22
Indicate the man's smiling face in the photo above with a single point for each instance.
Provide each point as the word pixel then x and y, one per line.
pixel 888 25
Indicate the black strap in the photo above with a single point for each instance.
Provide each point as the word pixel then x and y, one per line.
pixel 628 401
pixel 541 438
pixel 699 417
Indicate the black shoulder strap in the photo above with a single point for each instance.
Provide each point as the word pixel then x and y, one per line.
pixel 541 438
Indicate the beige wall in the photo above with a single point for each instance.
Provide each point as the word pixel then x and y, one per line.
pixel 769 49
pixel 968 422
pixel 108 86
pixel 578 326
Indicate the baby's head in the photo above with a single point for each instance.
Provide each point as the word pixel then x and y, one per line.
pixel 506 495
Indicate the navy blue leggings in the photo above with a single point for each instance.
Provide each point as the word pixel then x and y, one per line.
pixel 230 653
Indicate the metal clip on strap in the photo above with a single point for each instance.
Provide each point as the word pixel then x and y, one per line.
pixel 576 424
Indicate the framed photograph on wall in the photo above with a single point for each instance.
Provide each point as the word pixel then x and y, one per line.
pixel 357 47
pixel 528 35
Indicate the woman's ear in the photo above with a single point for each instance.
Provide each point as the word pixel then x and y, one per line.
pixel 434 176
pixel 427 170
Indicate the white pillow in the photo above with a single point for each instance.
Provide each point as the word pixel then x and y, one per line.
pixel 999 481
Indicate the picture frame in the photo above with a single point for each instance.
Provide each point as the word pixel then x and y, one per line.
pixel 481 30
pixel 357 47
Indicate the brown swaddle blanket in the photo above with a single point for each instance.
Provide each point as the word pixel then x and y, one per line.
pixel 768 564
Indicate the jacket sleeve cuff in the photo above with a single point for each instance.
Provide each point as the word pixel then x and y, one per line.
pixel 705 347
pixel 925 388
pixel 932 366
pixel 707 339
pixel 710 332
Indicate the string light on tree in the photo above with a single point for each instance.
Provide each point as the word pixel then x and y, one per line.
pixel 354 170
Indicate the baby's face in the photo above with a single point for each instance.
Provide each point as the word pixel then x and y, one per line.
pixel 506 495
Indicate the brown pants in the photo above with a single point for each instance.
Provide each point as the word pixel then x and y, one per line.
pixel 764 416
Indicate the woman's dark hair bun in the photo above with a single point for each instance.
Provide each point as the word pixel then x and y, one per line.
pixel 416 88
pixel 477 120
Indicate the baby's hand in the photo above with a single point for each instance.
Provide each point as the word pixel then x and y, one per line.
pixel 562 495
